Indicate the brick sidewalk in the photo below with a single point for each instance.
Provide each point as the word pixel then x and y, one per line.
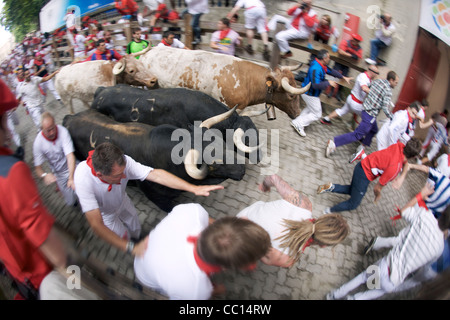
pixel 303 165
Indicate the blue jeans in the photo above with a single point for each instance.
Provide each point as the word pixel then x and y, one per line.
pixel 357 190
pixel 375 46
pixel 195 24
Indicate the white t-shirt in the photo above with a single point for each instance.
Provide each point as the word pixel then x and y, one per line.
pixel 168 265
pixel 197 6
pixel 70 19
pixel 361 80
pixel 228 43
pixel 270 215
pixel 176 44
pixel 29 92
pixel 54 152
pixel 399 128
pixel 94 194
pixel 249 3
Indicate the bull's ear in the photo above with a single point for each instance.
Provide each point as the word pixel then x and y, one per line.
pixel 272 81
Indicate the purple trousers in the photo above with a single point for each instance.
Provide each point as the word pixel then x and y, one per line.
pixel 364 132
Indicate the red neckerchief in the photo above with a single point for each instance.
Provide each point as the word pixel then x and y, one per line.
pixel 310 240
pixel 207 268
pixel 89 163
pixel 165 43
pixel 5 151
pixel 51 140
pixel 324 67
pixel 224 33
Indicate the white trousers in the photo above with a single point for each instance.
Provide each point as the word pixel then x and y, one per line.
pixel 291 33
pixel 125 221
pixel 256 18
pixel 35 114
pixel 385 284
pixel 11 122
pixel 49 86
pixel 350 106
pixel 54 287
pixel 69 195
pixel 312 112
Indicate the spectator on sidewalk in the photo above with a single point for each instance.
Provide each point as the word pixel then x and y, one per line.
pixel 382 40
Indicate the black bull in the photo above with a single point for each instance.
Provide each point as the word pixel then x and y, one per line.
pixel 154 146
pixel 180 107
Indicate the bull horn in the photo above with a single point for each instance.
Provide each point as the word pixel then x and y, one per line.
pixel 253 113
pixel 208 123
pixel 237 139
pixel 286 86
pixel 140 53
pixel 119 67
pixel 292 68
pixel 190 164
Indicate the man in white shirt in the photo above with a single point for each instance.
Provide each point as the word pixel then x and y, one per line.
pixel 255 17
pixel 100 183
pixel 71 21
pixel 29 94
pixel 383 38
pixel 358 94
pixel 196 8
pixel 419 244
pixel 169 40
pixel 186 248
pixel 54 145
pixel 225 40
pixel 400 128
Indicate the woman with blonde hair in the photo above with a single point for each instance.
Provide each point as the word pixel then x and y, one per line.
pixel 290 225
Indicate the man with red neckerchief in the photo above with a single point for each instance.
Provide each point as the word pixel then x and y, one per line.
pixel 187 247
pixel 30 248
pixel 100 184
pixel 54 145
pixel 224 40
pixel 102 53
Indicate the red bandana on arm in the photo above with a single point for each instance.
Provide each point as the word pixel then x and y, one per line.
pixel 89 163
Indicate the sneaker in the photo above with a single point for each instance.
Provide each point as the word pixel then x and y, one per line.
pixel 299 129
pixel 286 55
pixel 330 296
pixel 249 49
pixel 369 247
pixel 325 121
pixel 327 210
pixel 370 61
pixel 328 187
pixel 331 147
pixel 358 155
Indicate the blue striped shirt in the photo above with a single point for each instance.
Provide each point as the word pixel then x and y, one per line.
pixel 440 199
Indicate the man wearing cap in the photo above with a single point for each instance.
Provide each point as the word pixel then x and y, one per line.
pixel 349 49
pixel 30 248
pixel 358 94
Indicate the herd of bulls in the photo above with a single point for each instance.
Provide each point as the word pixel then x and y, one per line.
pixel 184 121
